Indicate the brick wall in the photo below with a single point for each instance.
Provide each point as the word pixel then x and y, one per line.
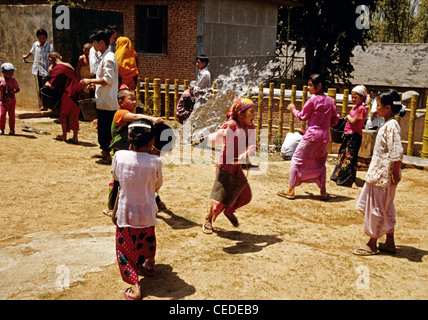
pixel 179 62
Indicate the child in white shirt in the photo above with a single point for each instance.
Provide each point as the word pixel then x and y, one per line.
pixel 139 174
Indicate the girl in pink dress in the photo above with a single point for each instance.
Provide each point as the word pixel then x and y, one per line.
pixel 8 88
pixel 376 200
pixel 308 161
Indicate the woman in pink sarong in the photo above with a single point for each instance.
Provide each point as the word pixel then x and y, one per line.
pixel 308 161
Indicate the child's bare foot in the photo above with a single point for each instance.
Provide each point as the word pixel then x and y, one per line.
pixel 354 186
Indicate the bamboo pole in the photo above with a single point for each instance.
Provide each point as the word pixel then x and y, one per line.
pixel 270 104
pixel 331 92
pixel 304 99
pixel 146 93
pixel 175 98
pixel 166 99
pixel 411 135
pixel 259 112
pixel 425 136
pixel 345 102
pixel 137 90
pixel 156 97
pixel 293 101
pixel 280 111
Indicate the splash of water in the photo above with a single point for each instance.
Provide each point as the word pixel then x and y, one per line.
pixel 242 80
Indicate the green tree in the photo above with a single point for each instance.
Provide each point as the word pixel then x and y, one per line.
pixel 328 31
pixel 400 21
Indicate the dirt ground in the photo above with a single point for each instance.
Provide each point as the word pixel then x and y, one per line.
pixel 55 243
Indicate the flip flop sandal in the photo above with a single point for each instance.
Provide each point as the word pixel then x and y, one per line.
pixel 28 129
pixel 285 195
pixel 127 297
pixel 208 229
pixel 232 218
pixel 367 252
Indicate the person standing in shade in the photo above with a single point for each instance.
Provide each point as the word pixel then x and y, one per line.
pixel 106 83
pixel 40 50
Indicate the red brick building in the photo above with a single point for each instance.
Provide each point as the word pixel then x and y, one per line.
pixel 169 34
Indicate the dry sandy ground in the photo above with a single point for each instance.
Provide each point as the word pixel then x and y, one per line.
pixel 55 243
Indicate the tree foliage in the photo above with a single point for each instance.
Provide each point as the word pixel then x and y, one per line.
pixel 400 21
pixel 327 30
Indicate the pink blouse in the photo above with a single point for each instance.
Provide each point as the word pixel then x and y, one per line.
pixel 320 113
pixel 359 113
pixel 236 141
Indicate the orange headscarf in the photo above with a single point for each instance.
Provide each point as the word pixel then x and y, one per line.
pixel 126 58
pixel 239 105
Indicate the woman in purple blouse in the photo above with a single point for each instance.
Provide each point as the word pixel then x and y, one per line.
pixel 308 161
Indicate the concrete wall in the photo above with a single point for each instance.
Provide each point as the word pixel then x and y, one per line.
pixel 18 26
pixel 230 30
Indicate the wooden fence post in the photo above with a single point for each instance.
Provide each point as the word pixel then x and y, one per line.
pixel 304 99
pixel 293 101
pixel 156 97
pixel 425 137
pixel 175 98
pixel 146 93
pixel 259 112
pixel 270 104
pixel 332 94
pixel 166 99
pixel 345 102
pixel 280 111
pixel 411 135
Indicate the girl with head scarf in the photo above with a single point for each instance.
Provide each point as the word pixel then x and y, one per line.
pixel 345 172
pixel 127 60
pixel 238 138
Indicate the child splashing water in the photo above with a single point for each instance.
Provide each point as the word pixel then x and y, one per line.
pixel 376 200
pixel 238 138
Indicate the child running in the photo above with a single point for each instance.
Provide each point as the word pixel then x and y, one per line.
pixel 238 138
pixel 376 200
pixel 308 161
pixel 345 172
pixel 8 88
pixel 140 176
